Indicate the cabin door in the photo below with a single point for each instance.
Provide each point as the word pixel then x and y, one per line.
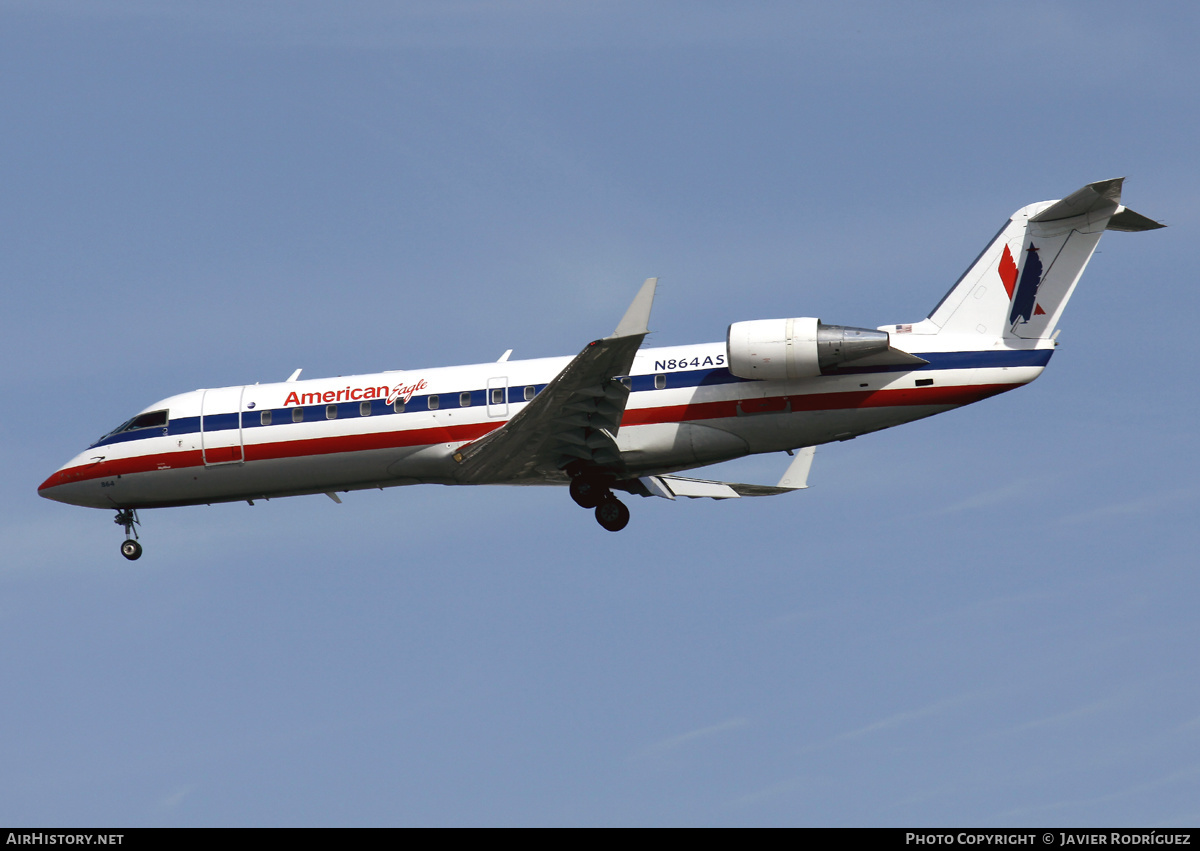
pixel 497 397
pixel 221 426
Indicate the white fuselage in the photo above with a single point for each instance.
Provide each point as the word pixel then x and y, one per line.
pixel 403 427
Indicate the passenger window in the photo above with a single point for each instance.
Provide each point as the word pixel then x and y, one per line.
pixel 265 417
pixel 498 396
pixel 433 402
pixel 364 409
pixel 297 415
pixel 331 412
pixel 660 382
pixel 464 399
pixel 530 392
pixel 398 406
pixel 628 382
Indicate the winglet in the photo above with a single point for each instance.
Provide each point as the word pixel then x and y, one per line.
pixel 795 476
pixel 637 317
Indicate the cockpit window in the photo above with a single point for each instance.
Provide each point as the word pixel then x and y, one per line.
pixel 153 419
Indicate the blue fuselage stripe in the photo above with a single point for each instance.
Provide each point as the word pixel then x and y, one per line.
pixel 638 384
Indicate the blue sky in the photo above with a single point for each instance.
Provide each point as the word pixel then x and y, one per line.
pixel 986 618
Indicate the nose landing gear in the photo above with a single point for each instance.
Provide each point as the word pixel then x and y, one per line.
pixel 130 548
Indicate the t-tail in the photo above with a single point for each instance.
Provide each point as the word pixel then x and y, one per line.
pixel 1019 285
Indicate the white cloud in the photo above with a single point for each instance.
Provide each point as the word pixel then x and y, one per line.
pixel 688 738
pixel 173 800
pixel 897 720
pixel 1145 505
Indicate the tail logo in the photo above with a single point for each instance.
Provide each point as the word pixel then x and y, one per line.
pixel 1024 303
pixel 1008 272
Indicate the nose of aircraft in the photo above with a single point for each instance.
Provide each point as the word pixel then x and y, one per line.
pixel 55 487
pixel 71 484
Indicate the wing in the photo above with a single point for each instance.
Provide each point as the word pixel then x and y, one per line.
pixel 573 421
pixel 670 487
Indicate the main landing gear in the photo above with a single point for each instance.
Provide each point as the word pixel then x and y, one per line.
pixel 612 514
pixel 590 492
pixel 130 548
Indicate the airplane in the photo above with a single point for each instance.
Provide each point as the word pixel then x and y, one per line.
pixel 616 417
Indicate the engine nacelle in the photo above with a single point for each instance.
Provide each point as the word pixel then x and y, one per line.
pixel 782 349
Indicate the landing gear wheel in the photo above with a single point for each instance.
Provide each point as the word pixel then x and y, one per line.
pixel 612 514
pixel 587 493
pixel 128 520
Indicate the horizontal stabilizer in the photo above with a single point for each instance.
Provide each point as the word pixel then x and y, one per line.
pixel 1128 221
pixel 794 478
pixel 1101 197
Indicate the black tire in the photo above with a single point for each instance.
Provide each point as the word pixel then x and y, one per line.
pixel 612 514
pixel 132 550
pixel 587 493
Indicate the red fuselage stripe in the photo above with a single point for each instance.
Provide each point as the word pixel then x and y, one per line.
pixel 959 395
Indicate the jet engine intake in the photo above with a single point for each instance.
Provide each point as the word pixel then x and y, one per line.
pixel 782 349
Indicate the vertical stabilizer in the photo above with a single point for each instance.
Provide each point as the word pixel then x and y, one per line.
pixel 1056 248
pixel 1019 285
pixel 978 303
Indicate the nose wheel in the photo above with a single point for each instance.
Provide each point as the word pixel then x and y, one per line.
pixel 128 519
